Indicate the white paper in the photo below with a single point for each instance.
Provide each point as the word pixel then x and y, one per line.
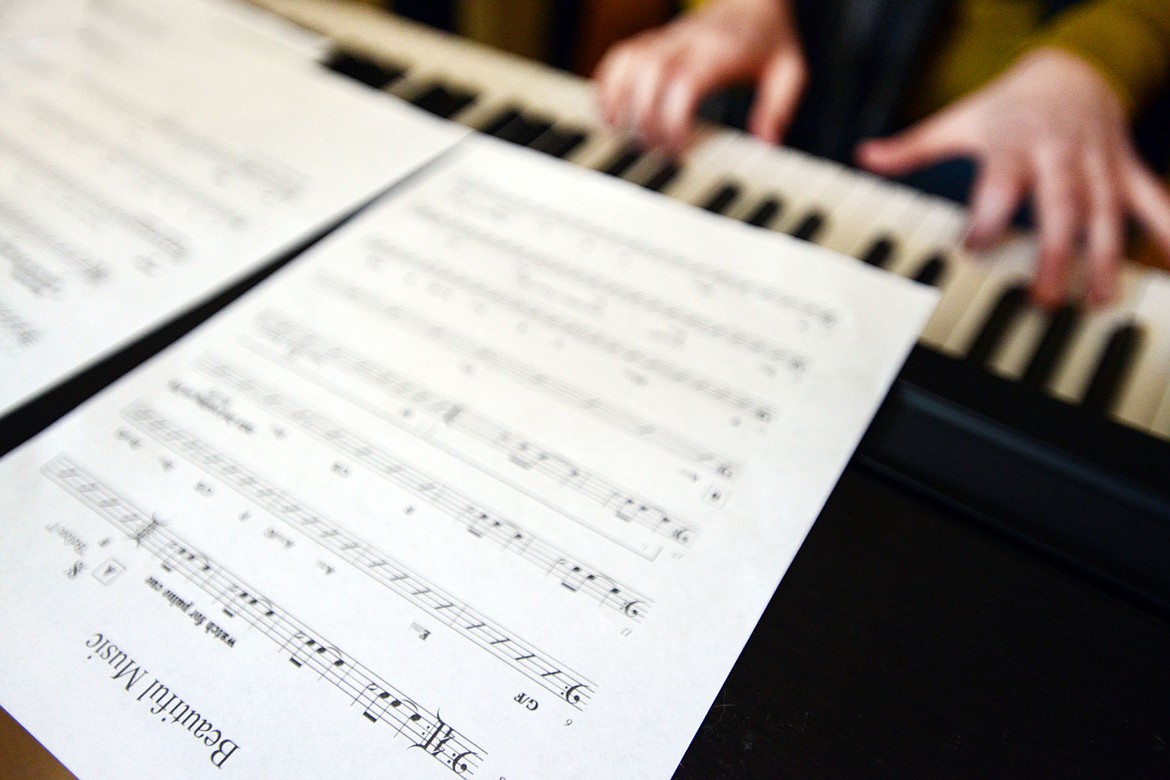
pixel 202 23
pixel 494 482
pixel 136 178
pixel 31 18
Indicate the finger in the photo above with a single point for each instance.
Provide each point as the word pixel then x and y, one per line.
pixel 945 135
pixel 1105 232
pixel 777 96
pixel 680 101
pixel 685 79
pixel 613 83
pixel 1148 200
pixel 995 199
pixel 702 70
pixel 1060 194
pixel 645 115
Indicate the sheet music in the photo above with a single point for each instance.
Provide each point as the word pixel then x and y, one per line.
pixel 139 174
pixel 31 18
pixel 494 482
pixel 217 23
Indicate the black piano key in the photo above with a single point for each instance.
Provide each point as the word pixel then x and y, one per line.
pixel 442 100
pixel 624 160
pixel 361 69
pixel 1117 360
pixel 1056 339
pixel 515 131
pixel 499 121
pixel 525 130
pixel 764 213
pixel 559 142
pixel 662 177
pixel 879 252
pixel 932 270
pixel 997 324
pixel 809 227
pixel 723 197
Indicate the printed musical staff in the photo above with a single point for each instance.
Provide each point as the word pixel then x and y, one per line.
pixel 304 647
pixel 54 119
pixel 365 558
pixel 383 250
pixel 304 345
pixel 564 392
pixel 19 331
pixel 270 177
pixel 491 199
pixel 796 361
pixel 140 225
pixel 479 520
pixel 82 265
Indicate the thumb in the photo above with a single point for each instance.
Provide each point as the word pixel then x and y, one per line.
pixel 935 138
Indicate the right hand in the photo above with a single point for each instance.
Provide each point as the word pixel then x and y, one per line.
pixel 1051 127
pixel 652 84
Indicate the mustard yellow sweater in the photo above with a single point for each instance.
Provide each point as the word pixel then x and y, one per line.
pixel 1128 41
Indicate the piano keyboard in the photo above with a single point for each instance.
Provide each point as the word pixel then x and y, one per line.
pixel 1114 361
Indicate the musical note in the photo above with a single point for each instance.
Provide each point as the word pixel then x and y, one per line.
pixel 327 661
pixel 235 599
pixel 176 556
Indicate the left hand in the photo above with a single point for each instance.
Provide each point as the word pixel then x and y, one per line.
pixel 1050 126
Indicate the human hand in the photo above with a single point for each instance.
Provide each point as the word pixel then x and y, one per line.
pixel 1050 126
pixel 652 84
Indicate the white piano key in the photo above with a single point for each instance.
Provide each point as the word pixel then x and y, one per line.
pixel 602 147
pixel 406 87
pixel 890 212
pixel 1161 424
pixel 1013 354
pixel 650 163
pixel 936 226
pixel 962 282
pixel 1148 382
pixel 797 180
pixel 1008 265
pixel 843 198
pixel 751 201
pixel 484 110
pixel 1071 379
pixel 697 187
pixel 713 159
pixel 762 171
